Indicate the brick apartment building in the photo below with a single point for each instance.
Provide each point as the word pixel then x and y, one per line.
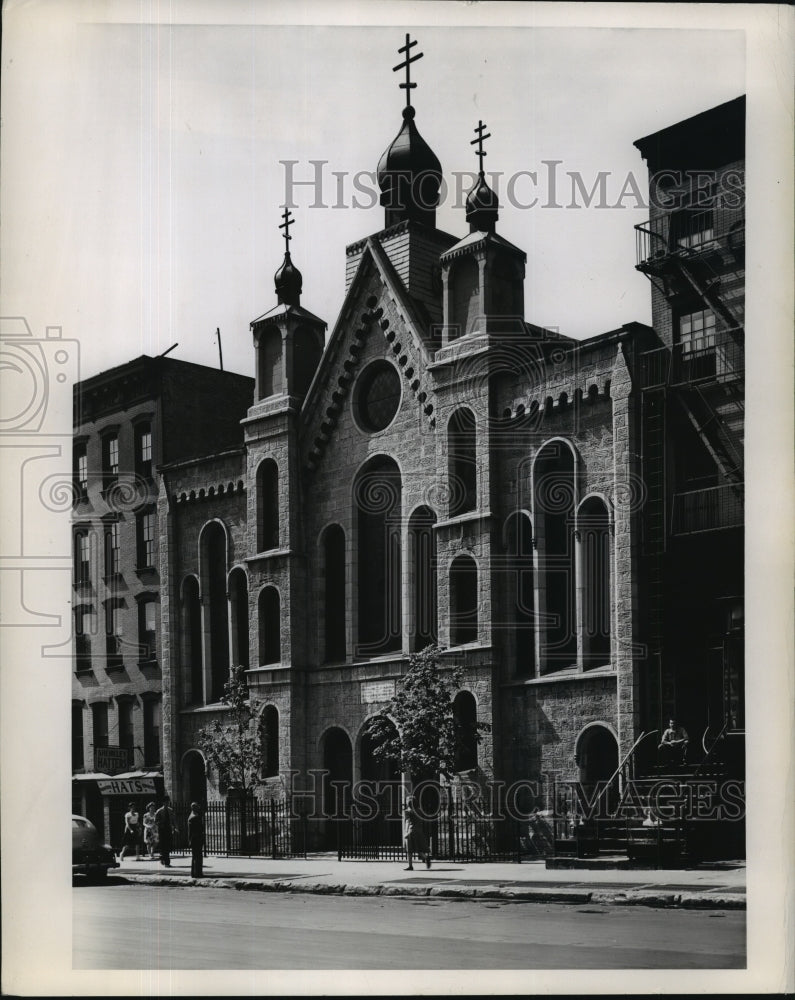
pixel 564 517
pixel 127 421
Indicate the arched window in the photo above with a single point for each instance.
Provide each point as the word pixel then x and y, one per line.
pixel 192 642
pixel 194 777
pixel 520 585
pixel 465 715
pixel 594 526
pixel 267 506
pixel 214 588
pixel 377 500
pixel 269 364
pixel 334 593
pixel 553 486
pixel 463 601
pixel 269 626
pixel 462 462
pixel 422 541
pixel 238 613
pixel 271 736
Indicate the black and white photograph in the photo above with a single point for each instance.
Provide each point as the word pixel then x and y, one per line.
pixel 395 597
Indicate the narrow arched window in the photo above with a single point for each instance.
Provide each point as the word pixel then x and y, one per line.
pixel 465 717
pixel 422 541
pixel 238 616
pixel 594 529
pixel 271 738
pixel 267 506
pixel 377 500
pixel 269 364
pixel 214 588
pixel 520 585
pixel 334 593
pixel 192 642
pixel 462 462
pixel 554 495
pixel 463 601
pixel 269 626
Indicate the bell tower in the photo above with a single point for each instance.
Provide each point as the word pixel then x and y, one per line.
pixel 482 274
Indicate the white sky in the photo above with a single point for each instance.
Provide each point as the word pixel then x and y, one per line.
pixel 147 209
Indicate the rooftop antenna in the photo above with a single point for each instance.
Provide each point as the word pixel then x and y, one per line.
pixel 220 352
pixel 168 350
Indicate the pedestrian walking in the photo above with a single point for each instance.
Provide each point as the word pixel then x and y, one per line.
pixel 150 830
pixel 132 833
pixel 414 836
pixel 164 821
pixel 196 839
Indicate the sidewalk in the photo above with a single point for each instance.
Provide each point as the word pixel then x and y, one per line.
pixel 718 886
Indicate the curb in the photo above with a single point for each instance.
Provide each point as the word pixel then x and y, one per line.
pixel 660 900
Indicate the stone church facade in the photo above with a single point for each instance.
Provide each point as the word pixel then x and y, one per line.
pixel 441 471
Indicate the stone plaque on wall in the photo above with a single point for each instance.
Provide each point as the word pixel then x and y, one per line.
pixel 376 691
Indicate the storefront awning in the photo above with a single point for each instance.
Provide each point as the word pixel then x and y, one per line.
pixel 92 776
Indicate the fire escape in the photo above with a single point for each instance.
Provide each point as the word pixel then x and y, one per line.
pixel 695 260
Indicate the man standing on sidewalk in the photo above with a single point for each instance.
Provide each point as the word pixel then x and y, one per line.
pixel 195 839
pixel 164 820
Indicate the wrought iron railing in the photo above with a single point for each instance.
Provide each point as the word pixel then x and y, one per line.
pixel 247 827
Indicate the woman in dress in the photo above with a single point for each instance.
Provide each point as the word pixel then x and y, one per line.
pixel 132 833
pixel 150 830
pixel 414 836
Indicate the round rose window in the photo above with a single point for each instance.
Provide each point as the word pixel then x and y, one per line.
pixel 377 396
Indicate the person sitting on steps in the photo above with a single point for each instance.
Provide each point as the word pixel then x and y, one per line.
pixel 673 746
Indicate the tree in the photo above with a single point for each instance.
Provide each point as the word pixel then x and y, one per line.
pixel 235 746
pixel 426 735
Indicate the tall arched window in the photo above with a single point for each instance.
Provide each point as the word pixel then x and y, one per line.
pixel 377 500
pixel 465 297
pixel 520 587
pixel 192 642
pixel 463 601
pixel 214 589
pixel 334 593
pixel 269 626
pixel 238 613
pixel 267 506
pixel 422 541
pixel 271 721
pixel 465 715
pixel 593 523
pixel 462 462
pixel 554 494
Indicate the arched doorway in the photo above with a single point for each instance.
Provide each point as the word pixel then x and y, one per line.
pixel 194 777
pixel 338 763
pixel 597 757
pixel 384 777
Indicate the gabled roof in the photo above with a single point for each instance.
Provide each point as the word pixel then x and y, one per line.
pixel 475 239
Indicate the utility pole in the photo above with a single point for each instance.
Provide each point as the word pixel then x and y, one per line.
pixel 220 352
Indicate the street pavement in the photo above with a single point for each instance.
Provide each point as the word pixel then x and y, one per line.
pixel 718 886
pixel 129 926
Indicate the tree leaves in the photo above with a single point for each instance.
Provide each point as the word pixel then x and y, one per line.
pixel 235 746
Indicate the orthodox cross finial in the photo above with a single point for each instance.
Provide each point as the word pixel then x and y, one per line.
pixel 286 227
pixel 481 138
pixel 408 86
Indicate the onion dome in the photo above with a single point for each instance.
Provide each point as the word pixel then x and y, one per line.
pixel 409 176
pixel 482 207
pixel 288 282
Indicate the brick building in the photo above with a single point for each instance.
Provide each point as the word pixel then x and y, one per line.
pixel 127 421
pixel 563 516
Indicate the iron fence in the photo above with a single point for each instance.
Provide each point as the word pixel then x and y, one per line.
pixel 245 827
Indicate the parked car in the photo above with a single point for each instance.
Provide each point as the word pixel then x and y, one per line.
pixel 90 857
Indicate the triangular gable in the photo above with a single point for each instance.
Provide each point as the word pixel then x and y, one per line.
pixel 413 356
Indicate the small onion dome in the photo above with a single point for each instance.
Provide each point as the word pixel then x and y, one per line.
pixel 482 207
pixel 409 176
pixel 288 282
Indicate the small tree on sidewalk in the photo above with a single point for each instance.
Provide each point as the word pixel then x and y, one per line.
pixel 235 745
pixel 419 727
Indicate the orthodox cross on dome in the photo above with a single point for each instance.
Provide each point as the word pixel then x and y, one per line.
pixel 478 141
pixel 288 221
pixel 408 86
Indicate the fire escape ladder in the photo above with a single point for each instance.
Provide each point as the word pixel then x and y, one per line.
pixel 707 291
pixel 711 428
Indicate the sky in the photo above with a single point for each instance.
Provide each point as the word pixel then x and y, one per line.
pixel 147 210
